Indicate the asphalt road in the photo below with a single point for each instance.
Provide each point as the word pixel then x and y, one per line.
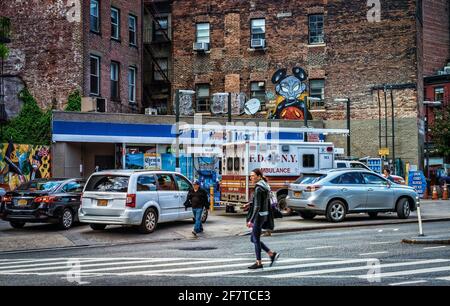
pixel 363 256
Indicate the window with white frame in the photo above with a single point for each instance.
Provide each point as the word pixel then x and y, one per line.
pixel 160 28
pixel 94 75
pixel 115 23
pixel 132 84
pixel 258 91
pixel 160 69
pixel 132 29
pixel 203 98
pixel 316 33
pixel 115 88
pixel 439 94
pixel 258 33
pixel 95 16
pixel 317 90
pixel 202 33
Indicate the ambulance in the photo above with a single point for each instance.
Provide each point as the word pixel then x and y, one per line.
pixel 282 162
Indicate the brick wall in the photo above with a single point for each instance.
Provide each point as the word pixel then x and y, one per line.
pixel 436 28
pixel 46 49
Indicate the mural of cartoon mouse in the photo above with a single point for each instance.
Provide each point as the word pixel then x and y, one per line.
pixel 289 89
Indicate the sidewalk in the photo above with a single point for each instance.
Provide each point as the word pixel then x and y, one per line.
pixel 219 224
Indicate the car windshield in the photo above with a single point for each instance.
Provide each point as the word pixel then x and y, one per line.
pixel 310 178
pixel 110 183
pixel 40 185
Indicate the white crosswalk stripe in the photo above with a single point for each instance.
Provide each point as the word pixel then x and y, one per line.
pixel 232 267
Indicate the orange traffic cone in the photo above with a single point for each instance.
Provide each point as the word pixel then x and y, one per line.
pixel 435 194
pixel 444 192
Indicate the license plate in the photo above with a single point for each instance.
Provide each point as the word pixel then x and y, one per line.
pixel 22 202
pixel 297 194
pixel 102 203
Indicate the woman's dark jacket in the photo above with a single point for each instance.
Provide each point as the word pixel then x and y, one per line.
pixel 260 211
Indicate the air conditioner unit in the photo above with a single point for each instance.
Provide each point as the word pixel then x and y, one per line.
pixel 258 43
pixel 441 72
pixel 93 104
pixel 447 69
pixel 151 111
pixel 201 46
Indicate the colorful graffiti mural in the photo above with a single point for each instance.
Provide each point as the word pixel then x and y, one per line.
pixel 22 162
pixel 291 95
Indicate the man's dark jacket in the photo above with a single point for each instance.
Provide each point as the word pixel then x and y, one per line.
pixel 203 199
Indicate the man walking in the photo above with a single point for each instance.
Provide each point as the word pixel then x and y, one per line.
pixel 198 199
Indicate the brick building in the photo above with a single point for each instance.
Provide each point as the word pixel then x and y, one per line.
pixel 59 46
pixel 372 55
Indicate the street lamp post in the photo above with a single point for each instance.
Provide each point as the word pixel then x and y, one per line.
pixel 347 100
pixel 427 154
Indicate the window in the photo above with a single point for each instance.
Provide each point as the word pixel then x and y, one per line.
pixel 236 163
pixel 115 80
pixel 146 183
pixel 160 69
pixel 110 183
pixel 258 33
pixel 73 187
pixel 132 84
pixel 182 183
pixel 160 27
pixel 115 23
pixel 165 183
pixel 94 16
pixel 373 179
pixel 258 91
pixel 202 91
pixel 308 161
pixel 358 166
pixel 132 29
pixel 348 179
pixel 316 29
pixel 95 75
pixel 317 90
pixel 230 163
pixel 202 34
pixel 341 165
pixel 439 94
pixel 310 178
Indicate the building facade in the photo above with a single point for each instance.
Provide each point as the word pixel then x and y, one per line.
pixel 60 46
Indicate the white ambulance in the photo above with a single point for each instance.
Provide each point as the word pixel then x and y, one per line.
pixel 282 162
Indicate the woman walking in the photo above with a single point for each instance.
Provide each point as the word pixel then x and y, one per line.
pixel 260 216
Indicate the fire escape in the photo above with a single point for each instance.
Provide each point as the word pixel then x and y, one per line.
pixel 157 55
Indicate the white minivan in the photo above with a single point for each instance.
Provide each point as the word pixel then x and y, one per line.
pixel 135 197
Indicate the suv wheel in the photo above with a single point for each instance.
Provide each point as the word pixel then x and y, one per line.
pixel 66 219
pixel 97 227
pixel 16 224
pixel 307 215
pixel 373 214
pixel 403 208
pixel 149 221
pixel 282 205
pixel 336 211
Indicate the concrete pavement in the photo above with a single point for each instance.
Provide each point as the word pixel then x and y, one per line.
pixel 219 224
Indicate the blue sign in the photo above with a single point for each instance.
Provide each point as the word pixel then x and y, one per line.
pixel 375 164
pixel 417 180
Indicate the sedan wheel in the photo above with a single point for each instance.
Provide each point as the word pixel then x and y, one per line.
pixel 336 211
pixel 66 219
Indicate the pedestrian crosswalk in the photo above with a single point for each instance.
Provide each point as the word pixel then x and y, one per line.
pixel 362 269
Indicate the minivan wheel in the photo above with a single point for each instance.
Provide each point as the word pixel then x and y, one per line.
pixel 373 214
pixel 149 221
pixel 204 215
pixel 97 227
pixel 403 208
pixel 17 224
pixel 66 219
pixel 307 215
pixel 336 211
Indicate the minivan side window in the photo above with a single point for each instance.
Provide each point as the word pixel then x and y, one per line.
pixel 146 183
pixel 373 179
pixel 165 183
pixel 182 183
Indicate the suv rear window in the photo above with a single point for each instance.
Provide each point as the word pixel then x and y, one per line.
pixel 110 183
pixel 310 178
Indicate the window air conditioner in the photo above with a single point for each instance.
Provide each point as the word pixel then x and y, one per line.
pixel 447 69
pixel 151 111
pixel 201 46
pixel 258 43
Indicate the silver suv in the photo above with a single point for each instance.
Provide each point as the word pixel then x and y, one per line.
pixel 336 193
pixel 131 197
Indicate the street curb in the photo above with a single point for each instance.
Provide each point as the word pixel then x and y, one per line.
pixel 289 230
pixel 435 241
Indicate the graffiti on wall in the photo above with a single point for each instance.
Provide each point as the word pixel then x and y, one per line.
pixel 21 162
pixel 219 103
pixel 290 96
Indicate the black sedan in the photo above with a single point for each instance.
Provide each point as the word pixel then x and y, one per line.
pixel 43 201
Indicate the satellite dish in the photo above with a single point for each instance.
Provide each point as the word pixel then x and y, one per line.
pixel 252 106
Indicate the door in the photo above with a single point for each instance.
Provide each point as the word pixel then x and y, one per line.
pixel 379 192
pixel 104 162
pixel 183 188
pixel 308 159
pixel 168 196
pixel 351 187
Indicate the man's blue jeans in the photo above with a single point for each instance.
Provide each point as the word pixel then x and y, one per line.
pixel 198 219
